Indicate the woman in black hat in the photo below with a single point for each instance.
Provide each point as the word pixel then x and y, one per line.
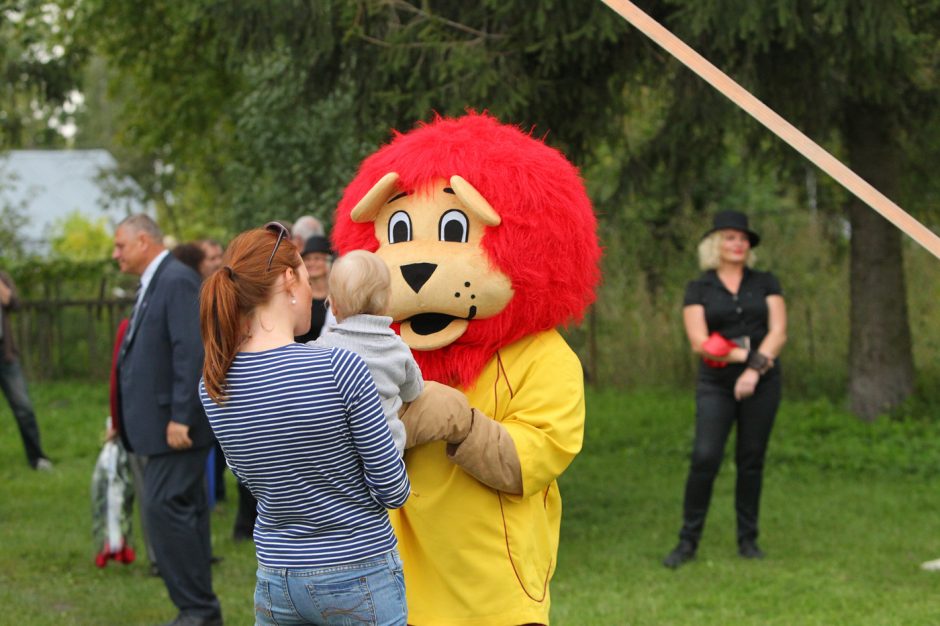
pixel 317 257
pixel 736 320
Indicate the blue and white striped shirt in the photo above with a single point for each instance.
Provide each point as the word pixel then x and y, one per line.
pixel 303 428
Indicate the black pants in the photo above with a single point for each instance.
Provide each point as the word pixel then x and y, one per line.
pixel 177 511
pixel 716 412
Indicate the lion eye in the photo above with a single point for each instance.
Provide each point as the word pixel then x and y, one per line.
pixel 399 227
pixel 454 226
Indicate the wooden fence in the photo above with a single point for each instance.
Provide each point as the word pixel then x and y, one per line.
pixel 75 338
pixel 68 338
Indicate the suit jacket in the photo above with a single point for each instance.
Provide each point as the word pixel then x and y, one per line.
pixel 160 363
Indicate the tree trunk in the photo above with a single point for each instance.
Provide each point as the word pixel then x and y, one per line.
pixel 881 363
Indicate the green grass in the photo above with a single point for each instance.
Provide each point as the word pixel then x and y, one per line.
pixel 850 510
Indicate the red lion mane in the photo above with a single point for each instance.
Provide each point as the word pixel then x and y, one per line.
pixel 546 244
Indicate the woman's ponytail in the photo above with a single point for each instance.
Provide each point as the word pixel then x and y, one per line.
pixel 222 329
pixel 253 262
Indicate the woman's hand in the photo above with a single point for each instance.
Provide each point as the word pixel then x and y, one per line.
pixel 746 384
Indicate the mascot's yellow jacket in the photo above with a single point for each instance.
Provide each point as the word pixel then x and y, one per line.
pixel 504 547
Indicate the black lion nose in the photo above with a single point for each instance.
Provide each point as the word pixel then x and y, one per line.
pixel 416 274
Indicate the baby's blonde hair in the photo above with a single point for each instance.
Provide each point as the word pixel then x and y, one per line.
pixel 359 283
pixel 709 252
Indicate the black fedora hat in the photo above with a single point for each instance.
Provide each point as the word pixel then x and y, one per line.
pixel 317 243
pixel 734 220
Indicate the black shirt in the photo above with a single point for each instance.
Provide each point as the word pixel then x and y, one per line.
pixel 317 319
pixel 734 315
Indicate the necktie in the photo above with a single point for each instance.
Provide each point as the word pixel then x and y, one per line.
pixel 132 325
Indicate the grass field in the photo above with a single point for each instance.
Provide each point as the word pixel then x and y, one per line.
pixel 850 510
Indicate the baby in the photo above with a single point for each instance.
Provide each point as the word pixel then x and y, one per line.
pixel 359 289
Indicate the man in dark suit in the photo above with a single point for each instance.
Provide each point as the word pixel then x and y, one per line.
pixel 162 419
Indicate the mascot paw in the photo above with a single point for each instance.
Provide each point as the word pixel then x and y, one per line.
pixel 440 413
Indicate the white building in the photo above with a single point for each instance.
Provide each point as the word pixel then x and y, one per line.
pixel 48 185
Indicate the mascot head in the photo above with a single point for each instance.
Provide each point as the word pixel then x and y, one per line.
pixel 488 234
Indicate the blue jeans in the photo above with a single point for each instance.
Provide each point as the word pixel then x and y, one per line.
pixel 14 388
pixel 367 592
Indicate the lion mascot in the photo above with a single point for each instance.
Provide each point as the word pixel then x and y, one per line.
pixel 491 242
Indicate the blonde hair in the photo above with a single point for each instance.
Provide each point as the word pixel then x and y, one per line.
pixel 709 252
pixel 359 283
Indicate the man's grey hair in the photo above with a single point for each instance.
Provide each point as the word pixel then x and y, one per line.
pixel 306 227
pixel 141 223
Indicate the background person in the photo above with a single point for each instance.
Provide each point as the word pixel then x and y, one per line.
pixel 161 417
pixel 212 261
pixel 317 257
pixel 204 257
pixel 135 461
pixel 212 256
pixel 191 255
pixel 305 227
pixel 303 428
pixel 13 381
pixel 743 312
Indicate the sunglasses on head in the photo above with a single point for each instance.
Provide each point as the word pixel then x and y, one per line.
pixel 281 231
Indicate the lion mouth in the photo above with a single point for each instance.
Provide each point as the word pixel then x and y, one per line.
pixel 430 323
pixel 425 324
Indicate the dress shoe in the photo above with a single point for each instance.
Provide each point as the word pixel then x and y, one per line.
pixel 682 553
pixel 195 620
pixel 750 550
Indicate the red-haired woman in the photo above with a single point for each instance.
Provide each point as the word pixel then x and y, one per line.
pixel 303 428
pixel 736 320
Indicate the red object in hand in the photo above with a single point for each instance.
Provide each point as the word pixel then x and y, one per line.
pixel 716 345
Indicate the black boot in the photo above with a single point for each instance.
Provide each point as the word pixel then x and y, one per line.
pixel 748 549
pixel 682 553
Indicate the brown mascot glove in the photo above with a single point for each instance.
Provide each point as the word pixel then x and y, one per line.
pixel 489 454
pixel 440 413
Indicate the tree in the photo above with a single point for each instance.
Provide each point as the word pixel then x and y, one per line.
pixel 241 112
pixel 858 76
pixel 77 238
pixel 12 218
pixel 39 72
pixel 256 107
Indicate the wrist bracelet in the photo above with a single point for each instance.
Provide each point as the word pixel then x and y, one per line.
pixel 759 362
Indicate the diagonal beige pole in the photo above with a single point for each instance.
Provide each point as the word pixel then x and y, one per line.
pixel 779 126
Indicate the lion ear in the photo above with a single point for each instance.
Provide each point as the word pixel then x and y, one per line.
pixel 367 208
pixel 474 201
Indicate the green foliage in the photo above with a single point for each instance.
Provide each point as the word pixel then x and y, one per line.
pixel 63 278
pixel 40 66
pixel 12 218
pixel 265 112
pixel 77 238
pixel 230 114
